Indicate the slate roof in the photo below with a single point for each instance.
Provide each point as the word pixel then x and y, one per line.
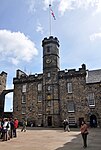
pixel 93 76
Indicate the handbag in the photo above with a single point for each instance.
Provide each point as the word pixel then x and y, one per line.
pixel 7 125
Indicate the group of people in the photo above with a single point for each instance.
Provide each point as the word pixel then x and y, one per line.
pixel 8 127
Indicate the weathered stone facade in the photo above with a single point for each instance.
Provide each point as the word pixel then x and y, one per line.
pixel 47 99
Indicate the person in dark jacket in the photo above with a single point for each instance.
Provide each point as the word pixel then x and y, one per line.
pixel 64 125
pixel 12 127
pixel 24 124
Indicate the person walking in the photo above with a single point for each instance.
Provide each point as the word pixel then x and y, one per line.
pixel 67 125
pixel 64 125
pixel 24 124
pixel 84 133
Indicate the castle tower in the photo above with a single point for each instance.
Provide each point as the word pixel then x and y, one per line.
pixel 50 81
pixel 50 54
pixel 3 78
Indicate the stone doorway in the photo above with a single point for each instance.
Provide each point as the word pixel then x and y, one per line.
pixel 49 120
pixel 93 121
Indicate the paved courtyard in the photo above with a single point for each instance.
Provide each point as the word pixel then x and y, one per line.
pixel 52 139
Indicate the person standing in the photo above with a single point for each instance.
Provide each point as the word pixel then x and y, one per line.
pixel 94 123
pixel 15 127
pixel 84 133
pixel 12 127
pixel 8 129
pixel 5 130
pixel 1 124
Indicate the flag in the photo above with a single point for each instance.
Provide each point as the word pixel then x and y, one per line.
pixel 52 12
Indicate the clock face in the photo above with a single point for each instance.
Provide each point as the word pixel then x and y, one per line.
pixel 48 60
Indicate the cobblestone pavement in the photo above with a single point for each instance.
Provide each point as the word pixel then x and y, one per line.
pixel 52 139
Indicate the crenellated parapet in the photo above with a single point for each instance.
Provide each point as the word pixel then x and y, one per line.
pixel 22 77
pixel 50 40
pixel 73 72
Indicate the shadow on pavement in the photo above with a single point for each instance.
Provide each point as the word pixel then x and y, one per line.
pixel 93 140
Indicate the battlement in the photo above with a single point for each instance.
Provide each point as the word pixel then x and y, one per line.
pixel 22 77
pixel 50 40
pixel 73 72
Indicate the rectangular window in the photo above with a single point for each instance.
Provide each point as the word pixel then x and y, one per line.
pixel 69 87
pixel 39 98
pixel 48 75
pixel 23 110
pixel 48 49
pixel 71 107
pixel 24 88
pixel 39 87
pixel 23 98
pixel 91 100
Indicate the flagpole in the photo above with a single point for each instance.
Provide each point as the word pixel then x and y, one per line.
pixel 49 20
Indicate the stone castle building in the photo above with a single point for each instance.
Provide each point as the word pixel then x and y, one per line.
pixel 47 99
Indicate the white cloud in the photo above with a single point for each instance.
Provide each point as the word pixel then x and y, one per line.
pixel 39 28
pixel 95 36
pixel 15 47
pixel 31 5
pixel 66 5
pixel 98 7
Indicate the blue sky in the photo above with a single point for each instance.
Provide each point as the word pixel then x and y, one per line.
pixel 24 24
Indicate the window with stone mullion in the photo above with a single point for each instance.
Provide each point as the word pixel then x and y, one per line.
pixel 23 98
pixel 91 100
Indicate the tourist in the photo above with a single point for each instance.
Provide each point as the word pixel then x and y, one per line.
pixel 67 125
pixel 15 127
pixel 24 123
pixel 84 133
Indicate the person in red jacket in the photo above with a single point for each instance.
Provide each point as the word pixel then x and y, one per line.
pixel 15 127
